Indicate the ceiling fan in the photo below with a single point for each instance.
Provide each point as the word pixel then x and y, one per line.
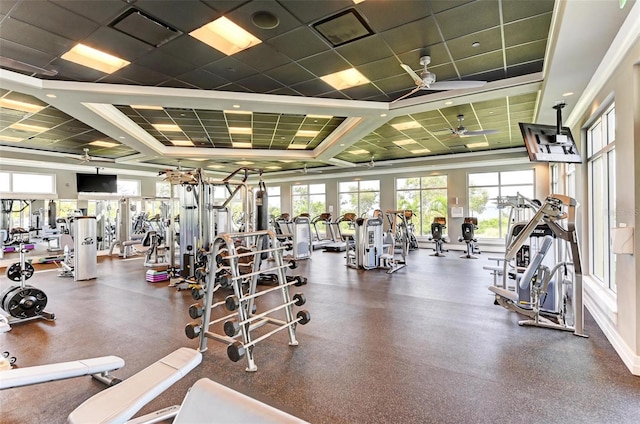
pixel 462 131
pixel 306 170
pixel 427 80
pixel 86 157
pixel 373 164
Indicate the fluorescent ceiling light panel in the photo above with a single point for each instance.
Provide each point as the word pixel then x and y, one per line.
pixel 420 151
pixel 357 1
pixel 215 166
pixel 241 144
pixel 480 144
pixel 92 58
pixel 240 130
pixel 244 162
pixel 146 107
pixel 297 146
pixel 345 79
pixel 30 128
pixel 197 159
pixel 181 142
pixel 225 36
pixel 286 160
pixel 307 133
pixel 167 127
pixel 406 125
pixel 102 143
pixel 320 116
pixel 273 167
pixel 238 112
pixel 404 142
pixel 358 152
pixel 7 138
pixel 22 106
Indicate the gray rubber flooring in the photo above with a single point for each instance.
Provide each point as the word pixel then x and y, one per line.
pixel 423 345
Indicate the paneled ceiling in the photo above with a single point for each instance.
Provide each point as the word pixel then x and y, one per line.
pixel 268 104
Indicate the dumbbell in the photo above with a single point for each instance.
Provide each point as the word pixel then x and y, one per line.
pixel 236 350
pixel 232 328
pixel 232 302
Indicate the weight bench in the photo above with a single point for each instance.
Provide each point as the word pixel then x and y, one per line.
pixel 97 367
pixel 119 403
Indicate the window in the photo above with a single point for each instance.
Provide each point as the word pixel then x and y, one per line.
pixel 163 189
pixel 554 169
pixel 33 183
pixel 274 201
pixel 128 187
pixel 308 198
pixel 484 190
pixel 570 180
pixel 425 196
pixel 5 182
pixel 359 197
pixel 602 200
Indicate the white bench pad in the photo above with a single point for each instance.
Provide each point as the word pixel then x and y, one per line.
pixel 119 403
pixel 43 373
pixel 208 402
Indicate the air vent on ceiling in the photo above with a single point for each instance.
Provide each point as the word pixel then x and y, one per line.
pixel 343 28
pixel 143 27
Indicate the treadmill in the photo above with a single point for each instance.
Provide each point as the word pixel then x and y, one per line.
pixel 340 245
pixel 318 241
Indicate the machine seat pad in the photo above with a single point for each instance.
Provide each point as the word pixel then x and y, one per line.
pixel 43 373
pixel 507 294
pixel 119 403
pixel 497 269
pixel 208 401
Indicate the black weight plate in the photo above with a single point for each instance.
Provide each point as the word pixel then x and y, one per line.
pixel 25 302
pixel 28 270
pixel 7 295
pixel 13 272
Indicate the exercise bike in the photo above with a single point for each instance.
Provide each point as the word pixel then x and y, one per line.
pixel 469 226
pixel 439 239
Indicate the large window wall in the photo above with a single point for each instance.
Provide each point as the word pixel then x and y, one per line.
pixel 425 196
pixel 274 201
pixel 359 197
pixel 484 190
pixel 602 191
pixel 308 198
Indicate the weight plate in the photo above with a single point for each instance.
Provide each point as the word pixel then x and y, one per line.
pixel 14 272
pixel 25 302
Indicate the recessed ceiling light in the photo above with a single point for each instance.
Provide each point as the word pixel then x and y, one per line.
pixel 51 95
pixel 238 112
pixel 406 125
pixel 241 144
pixel 420 151
pixel 18 105
pixel 320 116
pixel 7 138
pixel 30 128
pixel 341 144
pixel 447 103
pixel 475 44
pixel 286 161
pixel 181 142
pixel 273 167
pixel 121 137
pixel 146 107
pixel 404 142
pixel 240 130
pixel 215 166
pixel 95 59
pixel 567 94
pixel 358 152
pixel 244 162
pixel 480 144
pixel 225 36
pixel 102 143
pixel 345 79
pixel 297 146
pixel 358 1
pixel 306 133
pixel 167 127
pixel 382 115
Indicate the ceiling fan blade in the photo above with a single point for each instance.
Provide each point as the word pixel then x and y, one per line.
pixel 104 160
pixel 481 132
pixel 411 72
pixel 455 85
pixel 418 88
pixel 6 62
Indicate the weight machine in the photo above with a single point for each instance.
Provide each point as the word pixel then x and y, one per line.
pixel 469 226
pixel 565 310
pixel 437 236
pixel 372 247
pixel 340 245
pixel 294 234
pixel 23 302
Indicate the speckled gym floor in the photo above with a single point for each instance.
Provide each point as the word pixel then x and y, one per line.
pixel 423 345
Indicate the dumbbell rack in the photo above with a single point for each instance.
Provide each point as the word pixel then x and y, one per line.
pixel 241 255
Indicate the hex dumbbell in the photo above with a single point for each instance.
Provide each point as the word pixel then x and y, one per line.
pixel 232 328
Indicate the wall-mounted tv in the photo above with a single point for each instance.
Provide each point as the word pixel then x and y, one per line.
pixel 96 183
pixel 545 144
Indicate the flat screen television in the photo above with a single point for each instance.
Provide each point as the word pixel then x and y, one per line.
pixel 544 144
pixel 96 183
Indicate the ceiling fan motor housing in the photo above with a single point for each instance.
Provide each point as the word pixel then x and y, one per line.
pixel 428 77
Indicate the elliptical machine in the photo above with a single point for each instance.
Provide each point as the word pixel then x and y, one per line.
pixel 469 226
pixel 23 302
